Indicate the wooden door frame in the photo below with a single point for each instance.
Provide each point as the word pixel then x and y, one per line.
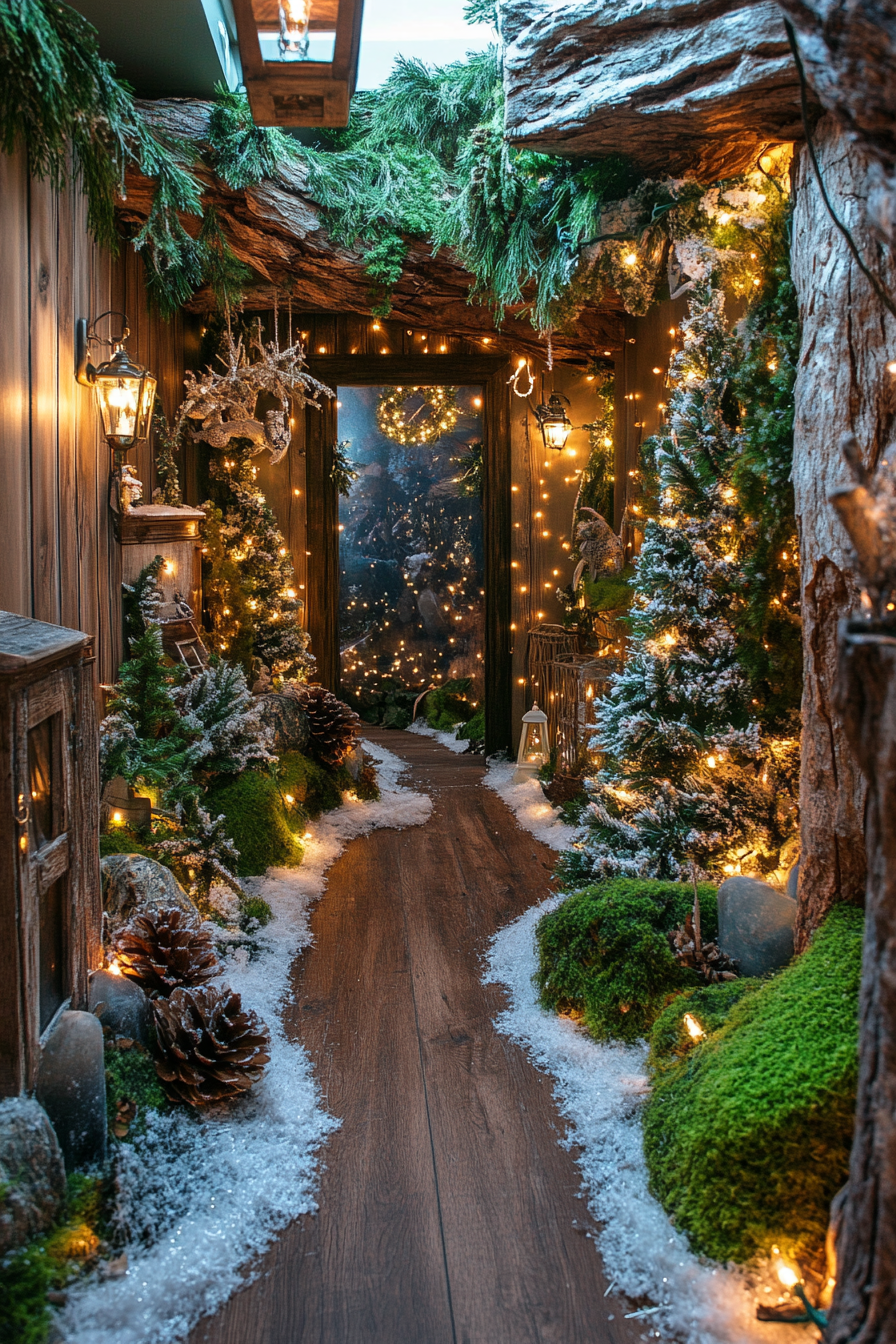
pixel 491 372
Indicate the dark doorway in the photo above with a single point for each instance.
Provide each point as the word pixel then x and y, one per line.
pixel 411 558
pixel 361 381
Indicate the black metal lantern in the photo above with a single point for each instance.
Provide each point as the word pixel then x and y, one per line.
pixel 554 423
pixel 125 390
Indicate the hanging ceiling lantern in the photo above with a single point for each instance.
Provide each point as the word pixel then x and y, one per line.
pixel 299 59
pixel 554 423
pixel 125 390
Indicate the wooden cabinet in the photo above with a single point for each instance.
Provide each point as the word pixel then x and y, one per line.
pixel 50 899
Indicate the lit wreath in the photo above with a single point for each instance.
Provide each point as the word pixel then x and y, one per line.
pixel 442 417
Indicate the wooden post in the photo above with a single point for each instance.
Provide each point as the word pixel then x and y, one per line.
pixel 864 1308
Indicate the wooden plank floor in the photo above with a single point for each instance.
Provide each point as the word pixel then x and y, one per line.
pixel 448 1212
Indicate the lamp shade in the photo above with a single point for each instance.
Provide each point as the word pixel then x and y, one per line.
pixel 554 423
pixel 533 750
pixel 125 394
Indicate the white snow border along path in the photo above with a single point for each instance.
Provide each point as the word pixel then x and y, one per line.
pixel 204 1195
pixel 447 739
pixel 599 1089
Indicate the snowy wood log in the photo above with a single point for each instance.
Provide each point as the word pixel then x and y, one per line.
pixel 843 387
pixel 678 85
pixel 849 51
pixel 277 229
pixel 864 1309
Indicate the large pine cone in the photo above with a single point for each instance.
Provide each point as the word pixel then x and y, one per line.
pixel 333 727
pixel 165 949
pixel 210 1047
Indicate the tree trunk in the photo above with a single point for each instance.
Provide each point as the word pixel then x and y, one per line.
pixel 843 386
pixel 864 1310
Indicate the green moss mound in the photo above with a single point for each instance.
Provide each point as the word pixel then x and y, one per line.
pixel 747 1136
pixel 604 953
pixel 131 1076
pixel 264 824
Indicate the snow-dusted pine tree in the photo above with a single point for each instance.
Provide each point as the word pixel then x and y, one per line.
pixel 686 775
pixel 253 599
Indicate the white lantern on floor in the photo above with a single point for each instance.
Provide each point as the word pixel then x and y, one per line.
pixel 533 752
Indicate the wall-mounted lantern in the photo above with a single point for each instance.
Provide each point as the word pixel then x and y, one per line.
pixel 125 391
pixel 533 751
pixel 299 59
pixel 554 423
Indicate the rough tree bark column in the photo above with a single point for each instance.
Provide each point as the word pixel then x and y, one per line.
pixel 842 386
pixel 864 1310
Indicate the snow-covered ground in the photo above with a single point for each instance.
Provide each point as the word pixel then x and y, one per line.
pixel 204 1195
pixel 529 805
pixel 447 739
pixel 599 1089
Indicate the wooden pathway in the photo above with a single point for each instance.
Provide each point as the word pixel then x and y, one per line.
pixel 448 1211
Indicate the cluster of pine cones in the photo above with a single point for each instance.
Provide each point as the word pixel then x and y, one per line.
pixel 333 727
pixel 209 1046
pixel 707 959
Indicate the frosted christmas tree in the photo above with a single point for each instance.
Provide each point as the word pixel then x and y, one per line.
pixel 686 774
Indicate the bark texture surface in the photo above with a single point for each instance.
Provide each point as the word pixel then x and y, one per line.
pixel 843 386
pixel 864 1309
pixel 678 85
pixel 277 229
pixel 849 52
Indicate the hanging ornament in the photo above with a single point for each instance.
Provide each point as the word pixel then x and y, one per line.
pixel 226 401
pixel 436 415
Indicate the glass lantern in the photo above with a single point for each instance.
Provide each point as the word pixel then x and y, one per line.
pixel 125 394
pixel 533 751
pixel 554 423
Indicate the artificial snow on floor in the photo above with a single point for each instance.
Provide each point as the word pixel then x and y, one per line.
pixel 527 802
pixel 448 740
pixel 202 1196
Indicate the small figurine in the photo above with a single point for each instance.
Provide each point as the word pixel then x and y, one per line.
pixel 130 489
pixel 182 606
pixel 599 547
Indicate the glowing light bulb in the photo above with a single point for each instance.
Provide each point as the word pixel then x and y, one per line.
pixel 695 1031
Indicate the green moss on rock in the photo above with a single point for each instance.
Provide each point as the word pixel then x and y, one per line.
pixel 604 953
pixel 264 825
pixel 747 1136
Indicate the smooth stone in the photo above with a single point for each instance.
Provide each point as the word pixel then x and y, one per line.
pixel 793 881
pixel 286 720
pixel 71 1087
pixel 32 1173
pixel 755 924
pixel 132 882
pixel 126 1009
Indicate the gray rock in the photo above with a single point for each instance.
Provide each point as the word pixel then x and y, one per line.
pixel 286 721
pixel 71 1087
pixel 32 1172
pixel 793 881
pixel 125 1008
pixel 755 924
pixel 132 882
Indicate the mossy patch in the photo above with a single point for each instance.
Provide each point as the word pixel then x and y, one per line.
pixel 604 953
pixel 266 810
pixel 49 1262
pixel 747 1134
pixel 474 729
pixel 131 1078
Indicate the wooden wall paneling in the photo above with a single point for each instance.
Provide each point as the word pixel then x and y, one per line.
pixel 110 651
pixel 497 528
pixel 322 510
pixel 43 348
pixel 92 467
pixel 15 486
pixel 72 243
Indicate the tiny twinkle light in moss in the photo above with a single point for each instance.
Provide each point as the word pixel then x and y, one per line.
pixel 695 1031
